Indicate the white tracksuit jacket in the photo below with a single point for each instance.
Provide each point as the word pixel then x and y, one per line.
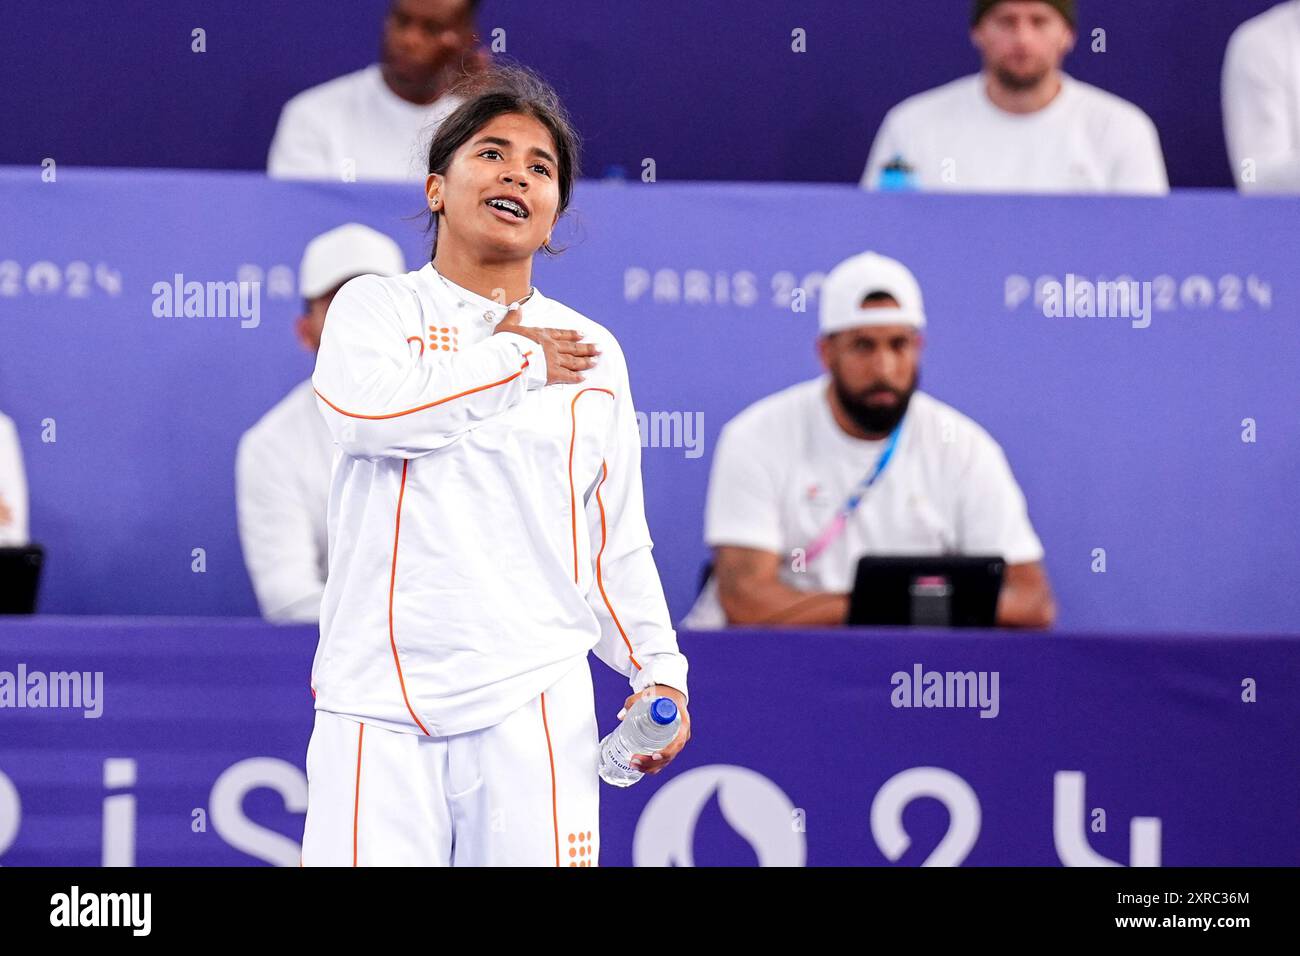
pixel 486 530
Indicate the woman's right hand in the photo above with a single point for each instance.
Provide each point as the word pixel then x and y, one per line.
pixel 566 356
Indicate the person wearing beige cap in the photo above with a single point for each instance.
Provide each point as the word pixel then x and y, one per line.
pixel 1021 124
pixel 282 467
pixel 858 461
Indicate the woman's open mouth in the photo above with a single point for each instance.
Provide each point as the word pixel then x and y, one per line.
pixel 507 207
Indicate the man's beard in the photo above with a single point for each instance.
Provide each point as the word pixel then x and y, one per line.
pixel 876 419
pixel 1019 82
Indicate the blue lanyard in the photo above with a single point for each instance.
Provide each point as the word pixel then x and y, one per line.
pixel 841 519
pixel 855 498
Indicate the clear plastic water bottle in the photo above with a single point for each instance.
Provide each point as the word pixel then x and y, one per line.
pixel 647 728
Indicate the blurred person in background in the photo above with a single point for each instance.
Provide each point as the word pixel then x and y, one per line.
pixel 786 516
pixel 13 488
pixel 1261 101
pixel 1021 124
pixel 282 467
pixel 372 124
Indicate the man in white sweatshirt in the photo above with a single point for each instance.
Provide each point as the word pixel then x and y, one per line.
pixel 282 467
pixel 1021 124
pixel 371 125
pixel 1261 101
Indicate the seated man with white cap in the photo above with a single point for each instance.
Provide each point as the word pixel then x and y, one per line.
pixel 283 466
pixel 787 514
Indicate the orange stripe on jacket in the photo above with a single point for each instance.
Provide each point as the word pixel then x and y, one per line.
pixel 356 801
pixel 420 408
pixel 600 581
pixel 573 498
pixel 555 814
pixel 392 585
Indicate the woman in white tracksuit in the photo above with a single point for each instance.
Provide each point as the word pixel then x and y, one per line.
pixel 486 528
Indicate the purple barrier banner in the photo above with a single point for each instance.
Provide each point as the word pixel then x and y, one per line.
pixel 1157 450
pixel 182 742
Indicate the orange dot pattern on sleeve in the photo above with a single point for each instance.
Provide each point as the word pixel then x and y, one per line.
pixel 446 338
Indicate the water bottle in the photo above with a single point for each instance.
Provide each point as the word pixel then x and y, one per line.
pixel 647 728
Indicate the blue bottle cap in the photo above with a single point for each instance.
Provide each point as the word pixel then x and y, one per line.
pixel 663 710
pixel 897 180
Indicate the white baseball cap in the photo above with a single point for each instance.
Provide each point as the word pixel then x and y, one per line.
pixel 856 278
pixel 338 255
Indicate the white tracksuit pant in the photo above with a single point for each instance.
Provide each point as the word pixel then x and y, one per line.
pixel 524 792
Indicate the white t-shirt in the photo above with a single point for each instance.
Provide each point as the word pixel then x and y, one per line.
pixel 1085 140
pixel 13 487
pixel 355 117
pixel 1261 100
pixel 783 467
pixel 282 486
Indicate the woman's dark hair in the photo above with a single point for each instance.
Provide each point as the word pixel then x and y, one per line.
pixel 499 90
